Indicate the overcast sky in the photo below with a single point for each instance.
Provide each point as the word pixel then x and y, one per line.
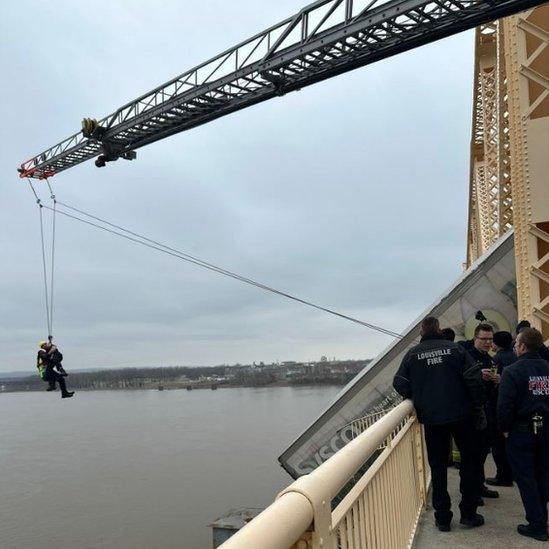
pixel 351 193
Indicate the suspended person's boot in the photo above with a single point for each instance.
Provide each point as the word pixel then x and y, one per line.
pixel 63 385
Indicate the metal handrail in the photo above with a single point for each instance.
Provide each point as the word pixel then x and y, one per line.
pixel 302 514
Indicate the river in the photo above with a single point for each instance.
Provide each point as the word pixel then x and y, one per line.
pixel 142 469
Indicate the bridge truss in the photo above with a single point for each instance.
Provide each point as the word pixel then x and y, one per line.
pixel 509 176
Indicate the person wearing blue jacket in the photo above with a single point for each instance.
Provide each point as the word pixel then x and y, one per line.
pixel 523 415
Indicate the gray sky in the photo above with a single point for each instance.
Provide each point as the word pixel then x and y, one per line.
pixel 351 193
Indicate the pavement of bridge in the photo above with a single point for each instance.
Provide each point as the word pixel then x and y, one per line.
pixel 502 516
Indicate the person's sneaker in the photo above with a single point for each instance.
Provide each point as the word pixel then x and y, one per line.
pixel 480 502
pixel 531 532
pixel 472 522
pixel 499 482
pixel 487 493
pixel 68 394
pixel 50 389
pixel 443 526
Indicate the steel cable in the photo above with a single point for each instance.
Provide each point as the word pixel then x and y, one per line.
pixel 52 273
pixel 153 244
pixel 48 298
pixel 45 271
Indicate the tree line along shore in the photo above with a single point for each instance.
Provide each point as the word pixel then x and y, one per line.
pixel 324 371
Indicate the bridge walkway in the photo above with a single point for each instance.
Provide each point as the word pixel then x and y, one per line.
pixel 502 516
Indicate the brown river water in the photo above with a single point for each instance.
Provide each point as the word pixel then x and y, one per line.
pixel 142 469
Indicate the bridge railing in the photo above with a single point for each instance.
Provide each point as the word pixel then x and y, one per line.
pixel 357 426
pixel 380 511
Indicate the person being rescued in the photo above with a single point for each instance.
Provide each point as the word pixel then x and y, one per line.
pixel 49 360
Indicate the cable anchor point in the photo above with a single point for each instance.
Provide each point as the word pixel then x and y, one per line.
pixel 91 129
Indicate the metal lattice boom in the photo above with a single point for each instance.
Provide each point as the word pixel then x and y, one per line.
pixel 327 38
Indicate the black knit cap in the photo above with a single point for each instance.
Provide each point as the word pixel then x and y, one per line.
pixel 503 339
pixel 523 324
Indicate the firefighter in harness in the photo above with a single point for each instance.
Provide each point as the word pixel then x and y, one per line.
pixel 48 363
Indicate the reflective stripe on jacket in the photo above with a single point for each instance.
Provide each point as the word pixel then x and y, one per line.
pixel 41 363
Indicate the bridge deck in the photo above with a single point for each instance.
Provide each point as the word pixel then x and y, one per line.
pixel 502 516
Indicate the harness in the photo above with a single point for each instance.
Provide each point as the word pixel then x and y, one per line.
pixel 41 364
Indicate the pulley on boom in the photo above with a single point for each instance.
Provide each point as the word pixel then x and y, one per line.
pixel 91 129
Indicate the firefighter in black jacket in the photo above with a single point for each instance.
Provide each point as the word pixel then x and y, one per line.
pixel 445 385
pixel 478 348
pixel 523 413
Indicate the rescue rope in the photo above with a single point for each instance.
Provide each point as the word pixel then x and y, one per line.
pixel 48 295
pixel 48 321
pixel 155 245
pixel 52 196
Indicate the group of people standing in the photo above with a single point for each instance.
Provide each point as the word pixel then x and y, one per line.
pixel 489 394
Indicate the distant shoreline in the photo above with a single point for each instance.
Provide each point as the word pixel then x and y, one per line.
pixel 276 385
pixel 285 374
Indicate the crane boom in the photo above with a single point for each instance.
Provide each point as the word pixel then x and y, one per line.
pixel 324 39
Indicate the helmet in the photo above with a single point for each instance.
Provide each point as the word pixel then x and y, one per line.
pixel 42 344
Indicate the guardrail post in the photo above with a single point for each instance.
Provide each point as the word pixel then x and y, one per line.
pixel 321 536
pixel 304 542
pixel 420 461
